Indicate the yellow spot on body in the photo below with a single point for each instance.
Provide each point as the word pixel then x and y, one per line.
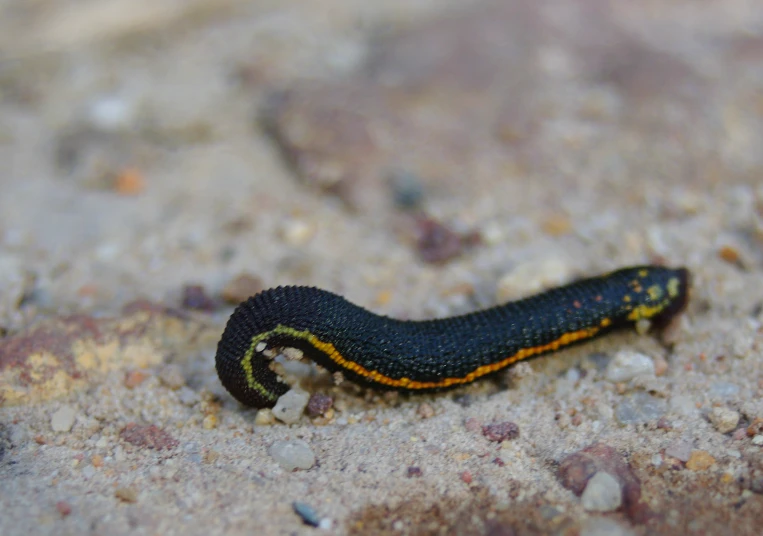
pixel 655 292
pixel 643 273
pixel 674 287
pixel 627 298
pixel 605 323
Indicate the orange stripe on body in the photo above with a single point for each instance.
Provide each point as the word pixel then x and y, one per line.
pixel 375 376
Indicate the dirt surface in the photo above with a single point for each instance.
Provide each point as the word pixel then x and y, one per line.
pixel 423 160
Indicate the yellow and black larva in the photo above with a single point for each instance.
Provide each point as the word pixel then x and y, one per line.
pixel 432 354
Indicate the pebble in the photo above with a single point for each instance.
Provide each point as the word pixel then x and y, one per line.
pixel 683 405
pixel 172 376
pixel 291 405
pixel 195 297
pixel 210 422
pixel 700 460
pixel 724 389
pixel 425 411
pixel 188 396
pixel 134 378
pixel 241 287
pixel 292 455
pixel 307 513
pixel 128 495
pixel 64 508
pixel 297 232
pixel 319 404
pixel 264 417
pixel 533 277
pixel 602 494
pixel 63 419
pixel 725 420
pixel 501 431
pixel 757 440
pixel 627 365
pixel 407 189
pixel 680 450
pixel 640 407
pixel 603 526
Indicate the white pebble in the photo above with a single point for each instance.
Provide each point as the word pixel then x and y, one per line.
pixel 603 526
pixel 292 455
pixel 725 420
pixel 533 277
pixel 602 493
pixel 627 365
pixel 758 440
pixel 291 405
pixel 63 419
pixel 683 405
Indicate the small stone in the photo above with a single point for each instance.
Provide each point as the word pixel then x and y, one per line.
pixel 188 397
pixel 319 404
pixel 729 254
pixel 680 450
pixel 436 243
pixel 195 297
pixel 466 477
pixel 414 472
pixel 290 406
pixel 292 455
pixel 172 376
pixel 425 411
pixel 64 508
pixel 209 422
pixel 501 431
pixel 241 287
pixel 725 420
pixel 134 378
pixel 602 493
pixel 128 495
pixel 757 440
pixel 264 417
pixel 700 460
pixel 640 407
pixel 63 419
pixel 407 189
pixel 147 436
pixel 297 232
pixel 603 526
pixel 533 277
pixel 683 405
pixel 307 513
pixel 97 460
pixel 723 390
pixel 472 424
pixel 627 365
pixel 129 181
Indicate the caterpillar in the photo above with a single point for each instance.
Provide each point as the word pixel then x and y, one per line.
pixel 432 354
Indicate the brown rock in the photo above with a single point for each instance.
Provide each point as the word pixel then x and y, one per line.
pixel 700 460
pixel 500 431
pixel 577 469
pixel 149 436
pixel 241 287
pixel 57 356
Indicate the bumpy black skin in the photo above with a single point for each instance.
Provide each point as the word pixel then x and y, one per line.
pixel 428 350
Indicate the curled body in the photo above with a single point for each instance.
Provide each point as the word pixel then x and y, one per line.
pixel 432 354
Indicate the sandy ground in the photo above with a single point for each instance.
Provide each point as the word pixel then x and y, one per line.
pixel 146 147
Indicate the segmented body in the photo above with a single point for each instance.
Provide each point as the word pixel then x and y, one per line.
pixel 432 354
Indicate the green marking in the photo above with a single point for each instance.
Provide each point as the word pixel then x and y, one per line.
pixel 246 362
pixel 673 287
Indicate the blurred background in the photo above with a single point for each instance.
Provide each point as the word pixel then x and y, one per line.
pixel 443 154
